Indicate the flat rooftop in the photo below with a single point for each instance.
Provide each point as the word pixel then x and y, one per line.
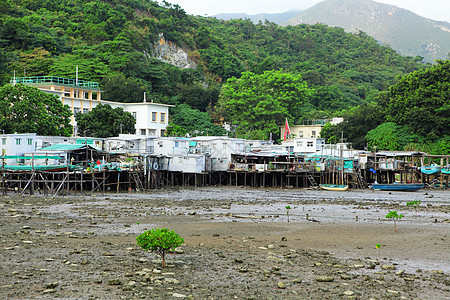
pixel 46 80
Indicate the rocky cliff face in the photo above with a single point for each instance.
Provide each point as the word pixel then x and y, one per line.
pixel 168 52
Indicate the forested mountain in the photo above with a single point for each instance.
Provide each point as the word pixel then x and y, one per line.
pixel 404 31
pixel 113 42
pixel 277 18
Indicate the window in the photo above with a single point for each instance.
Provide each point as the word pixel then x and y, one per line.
pixel 76 110
pixel 3 141
pixel 299 144
pixel 134 114
pixel 154 116
pixel 313 134
pixel 30 141
pixel 177 144
pixel 310 144
pixel 163 132
pixel 17 141
pixel 85 110
pixel 163 117
pixel 142 131
pixel 300 134
pixel 224 146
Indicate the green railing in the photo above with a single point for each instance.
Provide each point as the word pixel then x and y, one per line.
pixel 57 80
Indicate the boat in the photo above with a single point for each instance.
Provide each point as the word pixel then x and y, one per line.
pixel 333 187
pixel 405 187
pixel 430 170
pixel 446 170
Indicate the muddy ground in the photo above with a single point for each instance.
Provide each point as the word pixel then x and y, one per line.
pixel 238 245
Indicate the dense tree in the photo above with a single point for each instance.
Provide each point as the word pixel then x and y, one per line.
pixel 330 133
pixel 421 101
pixel 258 104
pixel 104 121
pixel 194 122
pixel 389 136
pixel 121 89
pixel 198 97
pixel 26 109
pixel 175 130
pixel 358 122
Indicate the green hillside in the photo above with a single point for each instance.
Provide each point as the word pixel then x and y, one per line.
pixel 112 42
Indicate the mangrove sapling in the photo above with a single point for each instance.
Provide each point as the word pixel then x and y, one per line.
pixel 378 246
pixel 394 216
pixel 159 240
pixel 288 207
pixel 415 204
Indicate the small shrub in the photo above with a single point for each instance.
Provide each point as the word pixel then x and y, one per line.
pixel 159 240
pixel 415 204
pixel 288 207
pixel 394 216
pixel 378 246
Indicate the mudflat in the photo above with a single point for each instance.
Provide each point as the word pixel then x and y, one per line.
pixel 240 243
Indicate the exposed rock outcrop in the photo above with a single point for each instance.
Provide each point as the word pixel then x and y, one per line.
pixel 168 52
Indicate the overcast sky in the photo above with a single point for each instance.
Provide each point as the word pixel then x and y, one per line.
pixel 434 9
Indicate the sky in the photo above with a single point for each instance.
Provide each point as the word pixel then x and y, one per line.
pixel 438 10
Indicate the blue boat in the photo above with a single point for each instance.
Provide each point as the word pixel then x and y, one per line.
pixel 446 170
pixel 430 170
pixel 405 187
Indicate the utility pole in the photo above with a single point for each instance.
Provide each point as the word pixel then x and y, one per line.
pixel 342 157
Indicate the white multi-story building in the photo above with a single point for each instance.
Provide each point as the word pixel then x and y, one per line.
pixel 82 96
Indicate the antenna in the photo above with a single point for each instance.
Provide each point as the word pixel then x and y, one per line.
pixel 76 78
pixel 14 78
pixel 144 98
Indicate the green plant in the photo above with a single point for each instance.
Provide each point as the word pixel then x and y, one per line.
pixel 378 246
pixel 287 211
pixel 415 204
pixel 394 216
pixel 159 240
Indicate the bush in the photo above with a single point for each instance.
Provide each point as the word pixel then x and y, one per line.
pixel 159 240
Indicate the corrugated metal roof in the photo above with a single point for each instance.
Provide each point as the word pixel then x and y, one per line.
pixel 400 153
pixel 64 147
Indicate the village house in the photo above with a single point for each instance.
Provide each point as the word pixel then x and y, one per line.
pixel 82 96
pixel 309 129
pixel 17 143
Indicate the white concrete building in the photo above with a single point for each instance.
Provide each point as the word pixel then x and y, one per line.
pixel 311 129
pixel 304 145
pixel 82 96
pixel 221 148
pixel 171 146
pixel 130 143
pixel 17 143
pixel 192 163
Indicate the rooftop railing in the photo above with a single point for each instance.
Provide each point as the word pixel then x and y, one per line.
pixel 56 80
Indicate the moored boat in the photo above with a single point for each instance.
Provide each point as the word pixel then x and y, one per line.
pixel 405 187
pixel 430 170
pixel 333 187
pixel 446 170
